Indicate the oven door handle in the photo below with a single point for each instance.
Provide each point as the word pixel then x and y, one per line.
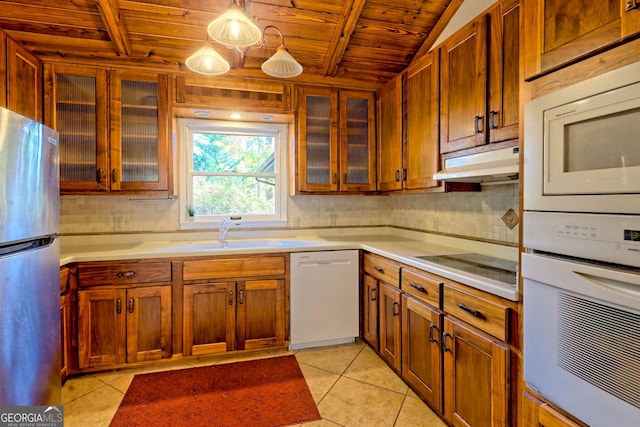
pixel 610 284
pixel 615 285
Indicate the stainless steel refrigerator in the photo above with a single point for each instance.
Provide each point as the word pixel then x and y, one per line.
pixel 30 343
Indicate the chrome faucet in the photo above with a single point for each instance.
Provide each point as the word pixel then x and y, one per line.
pixel 227 225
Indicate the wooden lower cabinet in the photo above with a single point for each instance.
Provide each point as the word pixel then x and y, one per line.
pixel 65 336
pixel 390 324
pixel 370 311
pixel 120 325
pixel 421 355
pixel 227 316
pixel 536 413
pixel 65 323
pixel 476 375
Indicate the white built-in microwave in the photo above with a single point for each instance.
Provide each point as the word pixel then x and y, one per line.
pixel 582 146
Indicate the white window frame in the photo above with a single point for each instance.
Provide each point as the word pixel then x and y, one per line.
pixel 187 127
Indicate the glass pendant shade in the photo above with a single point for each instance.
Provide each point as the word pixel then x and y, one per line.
pixel 281 65
pixel 234 29
pixel 207 61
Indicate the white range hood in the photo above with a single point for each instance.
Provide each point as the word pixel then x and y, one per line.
pixel 497 166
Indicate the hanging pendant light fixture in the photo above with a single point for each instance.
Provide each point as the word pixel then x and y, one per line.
pixel 281 64
pixel 207 61
pixel 234 29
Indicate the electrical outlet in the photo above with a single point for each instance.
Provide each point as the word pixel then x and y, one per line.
pixel 118 223
pixel 332 220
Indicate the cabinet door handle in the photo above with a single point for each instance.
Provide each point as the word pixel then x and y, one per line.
pixel 335 178
pixel 344 178
pixel 99 176
pixel 433 337
pixel 241 297
pixel 114 175
pixel 404 174
pixel 126 274
pixel 397 175
pixel 131 305
pixel 372 295
pixel 493 120
pixel 477 123
pixel 418 287
pixel 230 297
pixel 119 306
pixel 395 308
pixel 378 269
pixel 471 311
pixel 445 348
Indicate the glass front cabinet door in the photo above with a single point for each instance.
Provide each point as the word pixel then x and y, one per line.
pixel 336 141
pixel 113 129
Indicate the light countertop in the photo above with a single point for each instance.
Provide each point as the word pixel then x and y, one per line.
pixel 400 245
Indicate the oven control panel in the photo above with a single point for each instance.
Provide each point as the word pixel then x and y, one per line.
pixel 607 238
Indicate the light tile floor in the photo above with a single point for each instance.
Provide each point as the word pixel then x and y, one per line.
pixel 351 385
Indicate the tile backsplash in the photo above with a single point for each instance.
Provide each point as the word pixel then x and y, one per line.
pixel 474 214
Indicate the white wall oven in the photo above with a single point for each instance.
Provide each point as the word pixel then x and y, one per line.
pixel 581 232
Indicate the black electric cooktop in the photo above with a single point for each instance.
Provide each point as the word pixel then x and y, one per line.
pixel 480 265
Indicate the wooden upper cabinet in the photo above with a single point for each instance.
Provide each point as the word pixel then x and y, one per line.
pixel 24 81
pixel 421 149
pixel 139 131
pixel 76 102
pixel 357 141
pixel 336 141
pixel 479 102
pixel 408 158
pixel 318 140
pixel 113 129
pixel 504 71
pixel 464 82
pixel 558 33
pixel 389 120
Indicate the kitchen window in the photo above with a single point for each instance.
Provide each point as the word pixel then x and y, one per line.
pixel 232 169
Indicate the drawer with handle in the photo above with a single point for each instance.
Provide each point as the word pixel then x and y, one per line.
pixel 422 286
pixel 489 316
pixel 382 269
pixel 123 273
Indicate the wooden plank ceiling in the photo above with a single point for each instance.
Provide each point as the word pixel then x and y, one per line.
pixel 361 41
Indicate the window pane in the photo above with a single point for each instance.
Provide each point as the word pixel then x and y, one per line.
pixel 218 152
pixel 234 195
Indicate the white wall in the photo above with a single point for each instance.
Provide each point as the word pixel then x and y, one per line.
pixel 469 10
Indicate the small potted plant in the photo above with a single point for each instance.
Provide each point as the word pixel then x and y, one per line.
pixel 191 212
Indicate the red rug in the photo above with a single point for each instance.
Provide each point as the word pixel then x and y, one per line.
pixel 258 393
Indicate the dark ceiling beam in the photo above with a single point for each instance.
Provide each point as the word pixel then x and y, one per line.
pixel 340 38
pixel 110 12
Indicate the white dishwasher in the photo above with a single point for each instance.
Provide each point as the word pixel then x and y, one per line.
pixel 324 298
